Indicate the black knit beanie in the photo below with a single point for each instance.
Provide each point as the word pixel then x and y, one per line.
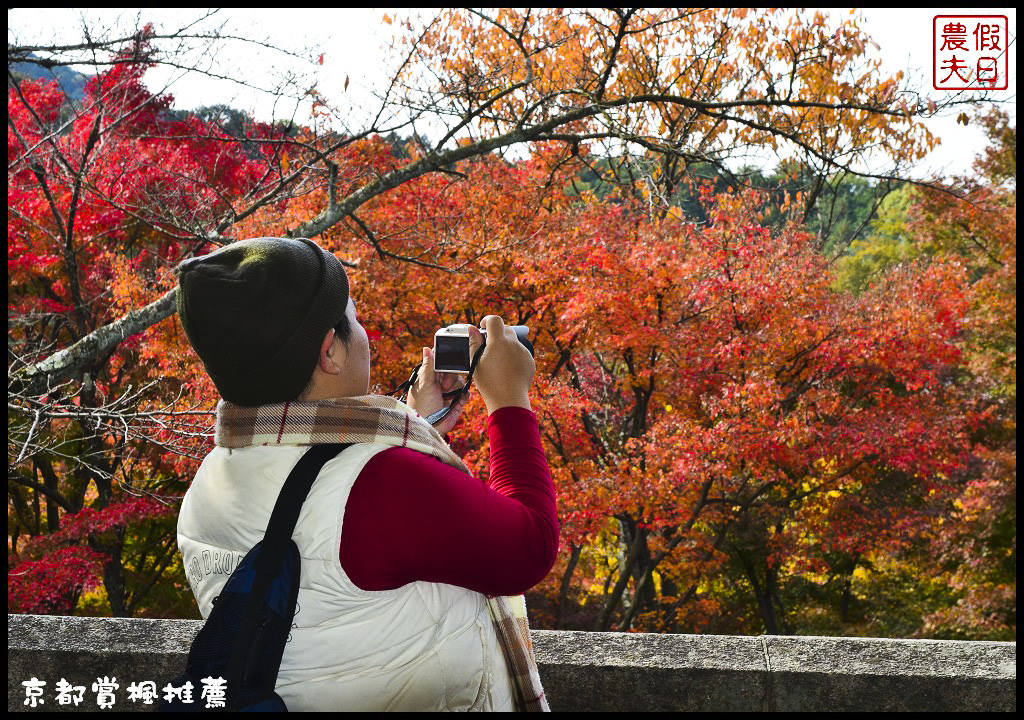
pixel 256 313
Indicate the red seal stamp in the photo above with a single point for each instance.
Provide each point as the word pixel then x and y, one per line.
pixel 969 52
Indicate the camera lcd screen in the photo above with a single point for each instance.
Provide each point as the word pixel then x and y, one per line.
pixel 451 353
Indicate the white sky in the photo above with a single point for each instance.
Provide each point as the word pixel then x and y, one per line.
pixel 353 42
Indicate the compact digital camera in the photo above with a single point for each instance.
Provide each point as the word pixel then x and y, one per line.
pixel 451 346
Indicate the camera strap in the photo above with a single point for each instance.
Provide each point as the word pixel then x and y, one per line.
pixel 441 414
pixel 456 395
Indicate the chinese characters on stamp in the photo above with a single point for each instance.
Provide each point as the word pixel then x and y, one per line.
pixel 969 52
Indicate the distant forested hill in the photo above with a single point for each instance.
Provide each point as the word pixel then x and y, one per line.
pixel 72 83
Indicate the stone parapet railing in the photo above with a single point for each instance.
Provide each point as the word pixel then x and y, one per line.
pixel 581 671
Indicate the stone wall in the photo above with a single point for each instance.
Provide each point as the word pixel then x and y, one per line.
pixel 585 671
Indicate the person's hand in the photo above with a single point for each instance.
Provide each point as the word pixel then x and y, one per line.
pixel 425 395
pixel 505 371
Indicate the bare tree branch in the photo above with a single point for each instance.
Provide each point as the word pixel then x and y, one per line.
pixel 38 378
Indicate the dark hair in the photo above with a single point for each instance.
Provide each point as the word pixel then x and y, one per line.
pixel 342 331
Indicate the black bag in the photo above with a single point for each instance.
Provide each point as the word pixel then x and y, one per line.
pixel 243 639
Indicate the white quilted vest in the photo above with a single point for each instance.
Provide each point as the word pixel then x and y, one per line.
pixel 424 646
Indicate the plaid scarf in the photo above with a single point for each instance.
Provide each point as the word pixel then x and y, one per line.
pixel 380 419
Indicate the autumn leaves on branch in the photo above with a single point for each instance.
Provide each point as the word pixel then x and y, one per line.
pixel 689 86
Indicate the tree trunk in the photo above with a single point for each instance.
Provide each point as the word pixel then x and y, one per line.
pixel 844 601
pixel 563 591
pixel 644 593
pixel 643 596
pixel 52 514
pixel 615 597
pixel 764 601
pixel 113 582
pixel 668 612
pixel 113 572
pixel 772 584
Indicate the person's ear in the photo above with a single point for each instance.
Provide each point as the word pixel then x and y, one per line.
pixel 328 362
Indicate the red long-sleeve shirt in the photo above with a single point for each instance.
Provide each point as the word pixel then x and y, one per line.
pixel 411 517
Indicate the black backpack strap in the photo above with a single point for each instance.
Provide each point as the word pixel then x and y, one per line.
pixel 275 543
pixel 289 502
